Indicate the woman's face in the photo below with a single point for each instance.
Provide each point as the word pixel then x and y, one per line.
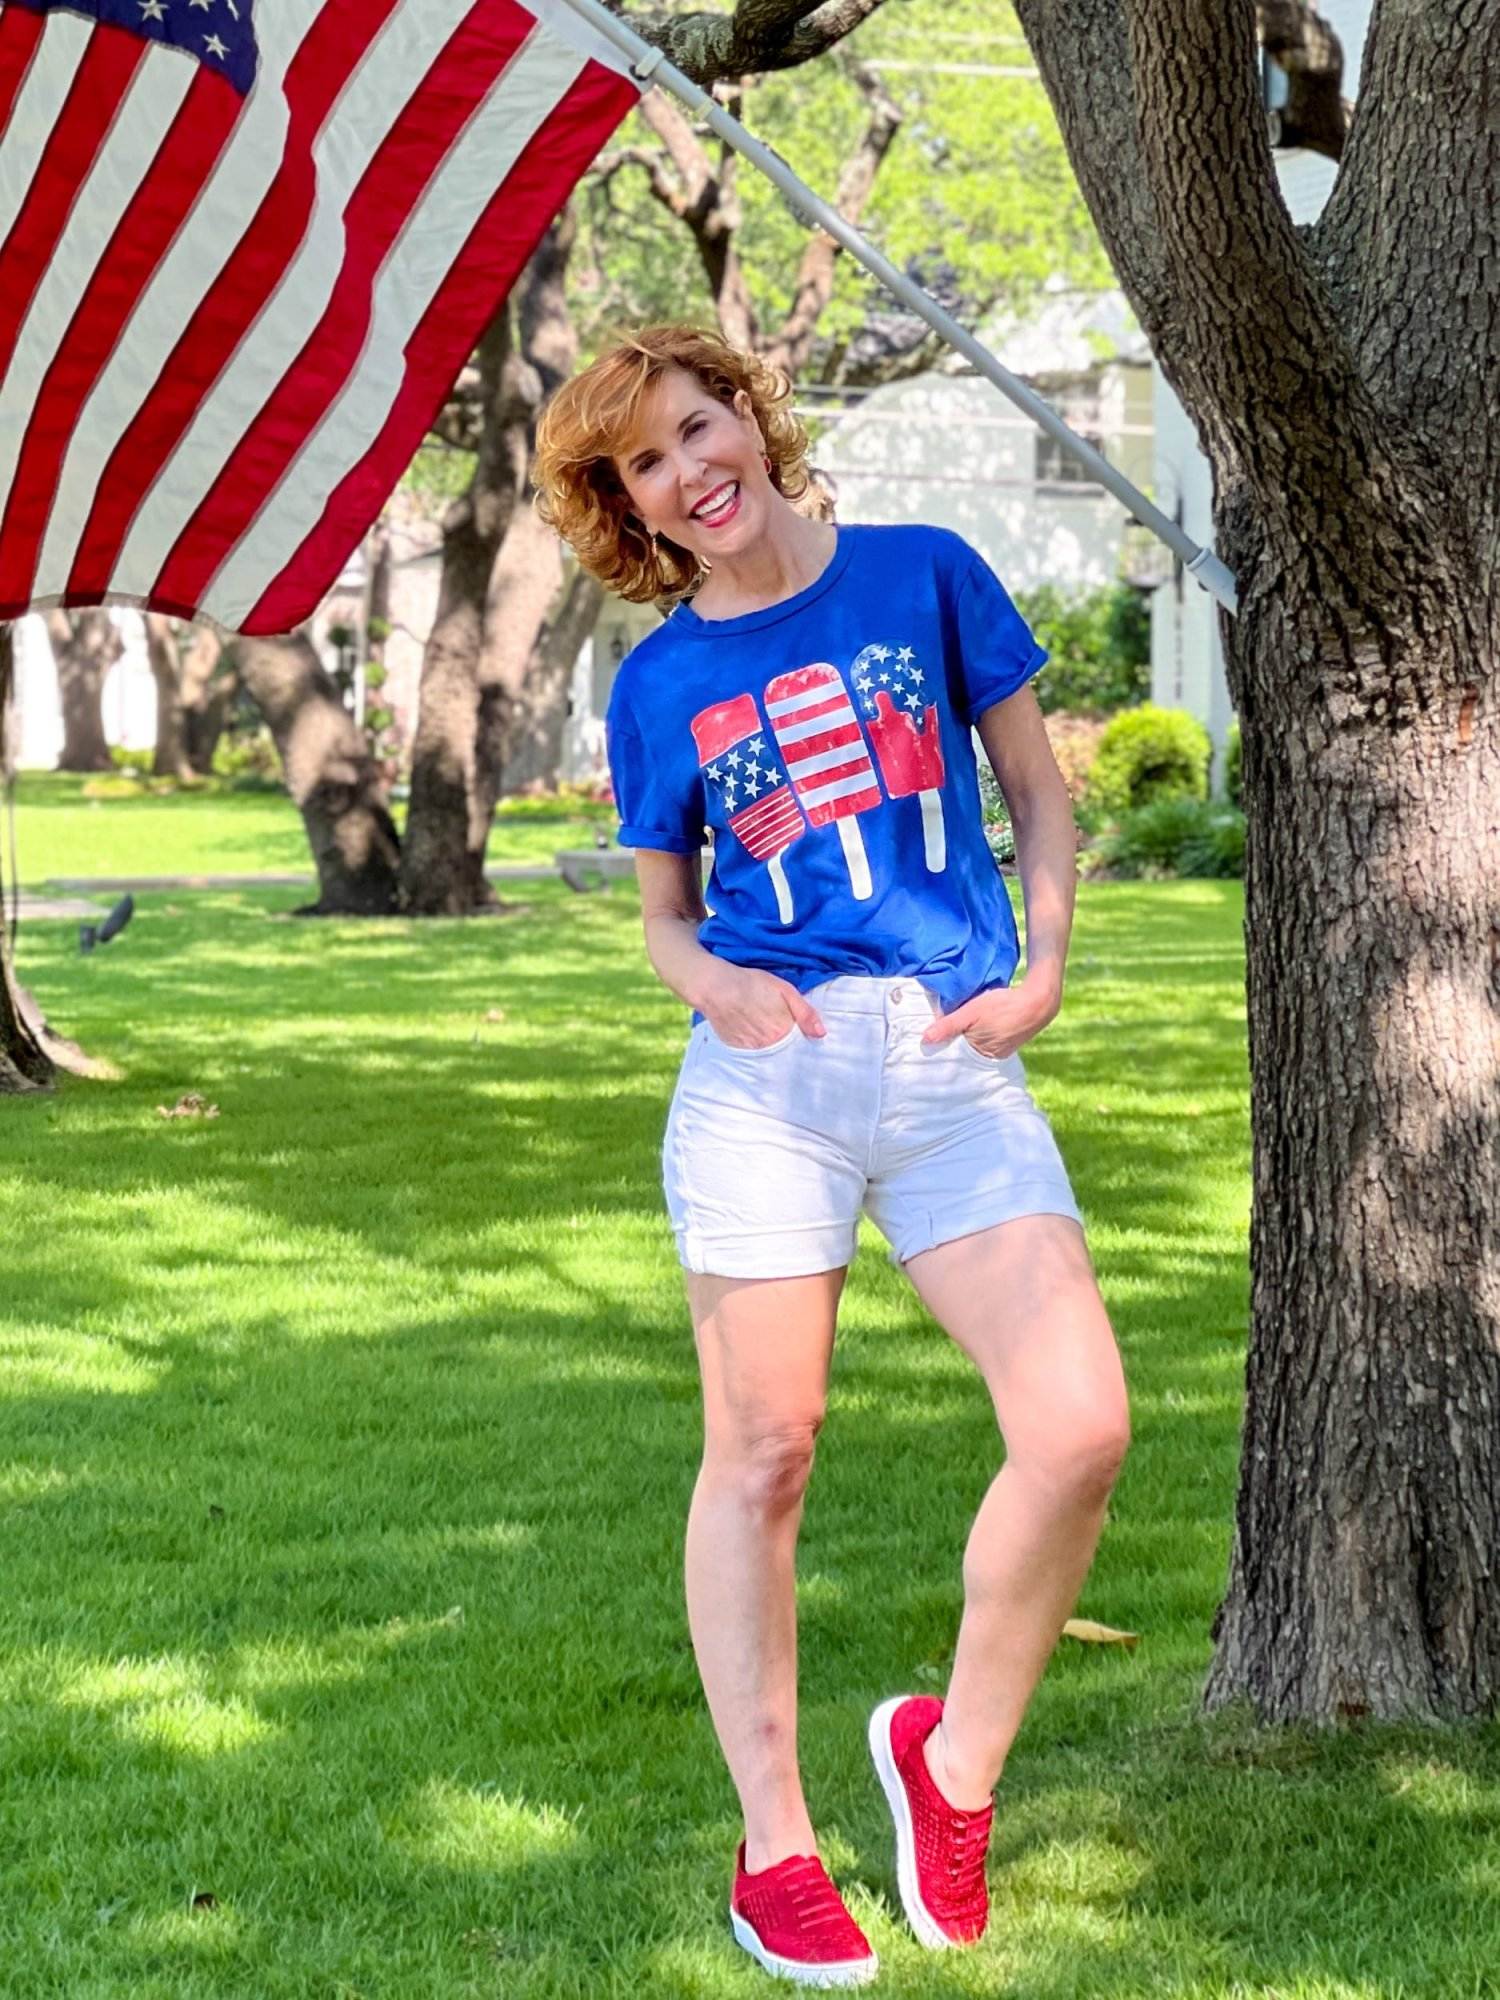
pixel 695 469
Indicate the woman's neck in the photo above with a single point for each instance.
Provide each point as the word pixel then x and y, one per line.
pixel 792 554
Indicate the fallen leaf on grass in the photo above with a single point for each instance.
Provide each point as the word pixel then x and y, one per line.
pixel 1100 1635
pixel 192 1105
pixel 494 1014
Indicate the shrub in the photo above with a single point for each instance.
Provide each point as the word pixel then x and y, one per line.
pixel 1188 837
pixel 1100 647
pixel 1149 753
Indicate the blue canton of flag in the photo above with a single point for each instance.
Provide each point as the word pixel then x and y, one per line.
pixel 895 670
pixel 217 32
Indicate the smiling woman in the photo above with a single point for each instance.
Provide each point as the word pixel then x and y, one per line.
pixel 812 698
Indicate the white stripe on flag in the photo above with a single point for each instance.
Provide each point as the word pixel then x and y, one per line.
pixel 204 245
pixel 862 781
pixel 375 98
pixel 841 717
pixel 156 91
pixel 538 77
pixel 38 102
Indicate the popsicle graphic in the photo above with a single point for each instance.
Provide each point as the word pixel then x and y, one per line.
pixel 819 735
pixel 910 753
pixel 760 807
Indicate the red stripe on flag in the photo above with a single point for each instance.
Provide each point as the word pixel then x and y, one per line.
pixel 462 306
pixel 459 80
pixel 204 120
pixel 335 43
pixel 20 31
pixel 103 76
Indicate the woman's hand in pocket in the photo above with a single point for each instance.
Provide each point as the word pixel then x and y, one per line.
pixel 749 1009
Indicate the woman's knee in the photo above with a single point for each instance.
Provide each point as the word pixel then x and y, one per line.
pixel 1081 1456
pixel 767 1463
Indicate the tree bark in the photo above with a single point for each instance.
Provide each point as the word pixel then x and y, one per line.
pixel 500 573
pixel 165 655
pixel 206 691
pixel 1340 378
pixel 24 1063
pixel 533 753
pixel 85 645
pixel 330 775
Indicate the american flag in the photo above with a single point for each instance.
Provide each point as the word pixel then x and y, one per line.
pixel 245 248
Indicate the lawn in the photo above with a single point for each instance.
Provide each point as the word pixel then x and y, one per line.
pixel 347 1441
pixel 63 833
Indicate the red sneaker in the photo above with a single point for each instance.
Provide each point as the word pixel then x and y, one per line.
pixel 793 1920
pixel 940 1848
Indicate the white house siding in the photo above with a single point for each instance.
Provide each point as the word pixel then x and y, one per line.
pixel 129 699
pixel 1187 659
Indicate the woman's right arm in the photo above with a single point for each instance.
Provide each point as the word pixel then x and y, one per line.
pixel 745 1007
pixel 672 907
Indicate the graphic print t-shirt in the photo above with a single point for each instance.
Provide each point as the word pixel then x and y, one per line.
pixel 825 744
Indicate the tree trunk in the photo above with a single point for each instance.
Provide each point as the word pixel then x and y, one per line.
pixel 24 1064
pixel 85 645
pixel 329 774
pixel 539 714
pixel 207 688
pixel 1341 378
pixel 501 571
pixel 1362 1579
pixel 165 656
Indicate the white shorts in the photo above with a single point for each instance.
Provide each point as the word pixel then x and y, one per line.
pixel 770 1154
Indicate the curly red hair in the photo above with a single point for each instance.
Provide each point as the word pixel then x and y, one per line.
pixel 593 415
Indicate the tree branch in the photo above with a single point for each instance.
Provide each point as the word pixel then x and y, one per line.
pixel 759 35
pixel 1301 43
pixel 815 274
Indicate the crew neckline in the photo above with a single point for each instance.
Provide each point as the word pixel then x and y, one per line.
pixel 785 607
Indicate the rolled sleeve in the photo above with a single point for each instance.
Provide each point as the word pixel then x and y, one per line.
pixel 652 813
pixel 998 652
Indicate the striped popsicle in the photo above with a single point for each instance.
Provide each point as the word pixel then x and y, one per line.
pixel 760 807
pixel 819 735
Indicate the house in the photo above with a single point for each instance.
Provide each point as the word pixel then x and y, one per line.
pixel 1187 659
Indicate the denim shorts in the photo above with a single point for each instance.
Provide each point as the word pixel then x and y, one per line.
pixel 770 1154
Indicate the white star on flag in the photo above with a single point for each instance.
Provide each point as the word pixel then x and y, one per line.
pixel 214 46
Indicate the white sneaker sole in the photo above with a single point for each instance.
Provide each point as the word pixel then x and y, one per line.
pixel 918 1916
pixel 851 1972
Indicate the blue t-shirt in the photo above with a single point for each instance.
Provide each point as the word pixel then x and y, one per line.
pixel 825 743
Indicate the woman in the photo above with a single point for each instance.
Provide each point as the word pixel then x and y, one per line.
pixel 856 1022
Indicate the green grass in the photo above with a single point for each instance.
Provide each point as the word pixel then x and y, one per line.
pixel 346 1447
pixel 62 834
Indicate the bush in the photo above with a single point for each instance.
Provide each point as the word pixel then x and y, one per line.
pixel 1188 837
pixel 1232 790
pixel 1149 753
pixel 1100 647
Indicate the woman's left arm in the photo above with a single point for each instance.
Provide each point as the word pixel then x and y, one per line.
pixel 1015 741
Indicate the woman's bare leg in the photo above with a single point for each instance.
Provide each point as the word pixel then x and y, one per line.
pixel 1021 1301
pixel 764 1347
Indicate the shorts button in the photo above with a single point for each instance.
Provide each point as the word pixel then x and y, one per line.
pixel 896 993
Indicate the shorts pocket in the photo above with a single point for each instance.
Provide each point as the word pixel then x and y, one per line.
pixel 1000 1065
pixel 769 1049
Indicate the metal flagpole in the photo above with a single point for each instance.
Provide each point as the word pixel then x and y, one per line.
pixel 649 65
